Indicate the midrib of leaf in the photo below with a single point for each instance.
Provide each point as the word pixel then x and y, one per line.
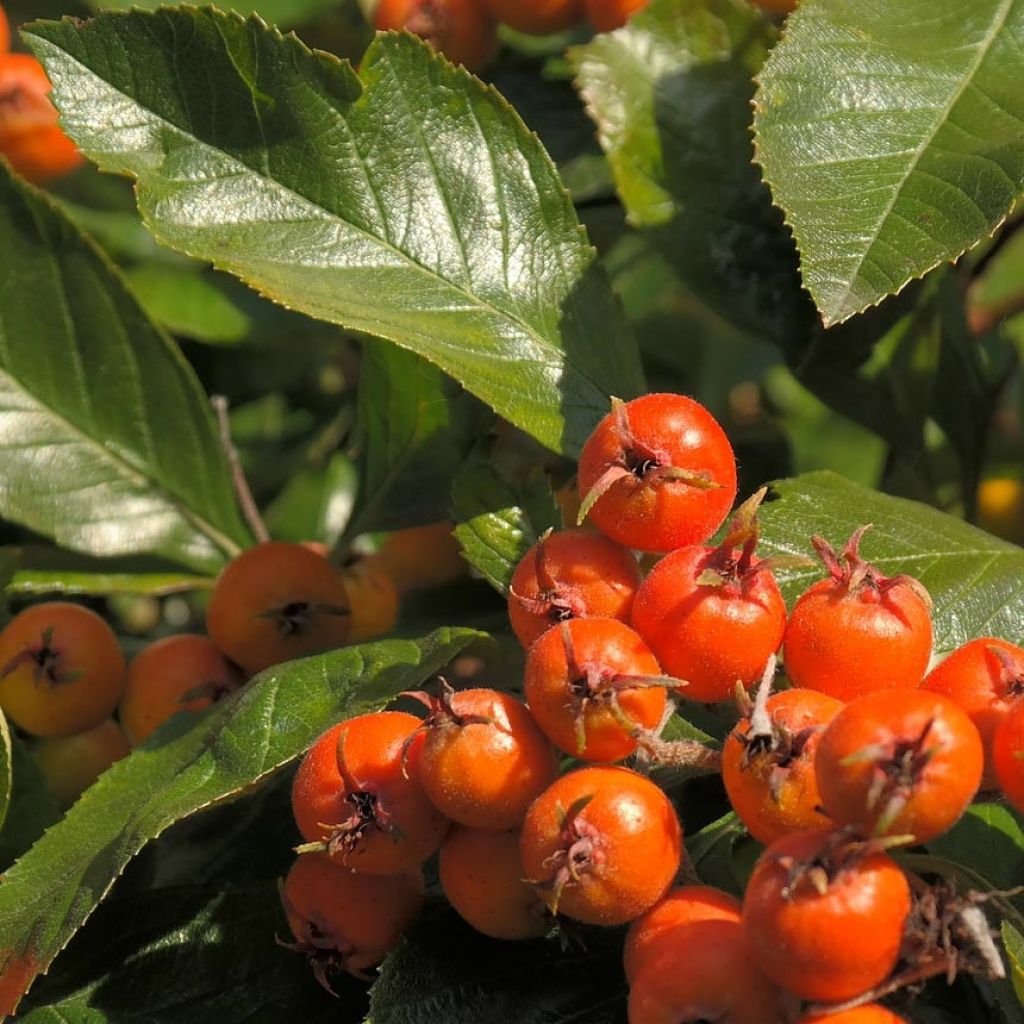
pixel 127 470
pixel 942 117
pixel 321 213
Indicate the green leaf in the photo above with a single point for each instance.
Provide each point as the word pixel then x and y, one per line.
pixel 6 776
pixel 496 526
pixel 441 226
pixel 32 807
pixel 988 839
pixel 417 429
pixel 447 973
pixel 976 581
pixel 283 13
pixel 316 503
pixel 187 954
pixel 712 852
pixel 1013 942
pixel 670 94
pixel 36 569
pixel 108 445
pixel 183 768
pixel 188 303
pixel 892 135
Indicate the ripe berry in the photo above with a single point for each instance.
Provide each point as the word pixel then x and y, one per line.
pixel 573 574
pixel 5 32
pixel 1008 755
pixel 985 677
pixel 61 670
pixel 30 136
pixel 899 762
pixel 712 616
pixel 704 972
pixel 277 601
pixel 484 760
pixel 608 15
pixel 71 764
pixel 537 17
pixel 657 473
pixel 344 921
pixel 357 794
pixel 423 557
pixel 824 916
pixel 871 1013
pixel 373 599
pixel 589 683
pixel 601 845
pixel 769 775
pixel 482 877
pixel 460 29
pixel 650 933
pixel 177 673
pixel 858 631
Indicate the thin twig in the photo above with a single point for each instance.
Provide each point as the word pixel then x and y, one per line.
pixel 241 485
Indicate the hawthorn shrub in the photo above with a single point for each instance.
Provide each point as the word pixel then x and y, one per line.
pixel 303 336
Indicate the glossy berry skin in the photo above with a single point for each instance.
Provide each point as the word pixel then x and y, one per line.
pixel 828 946
pixel 771 783
pixel 872 1013
pixel 460 29
pixel 70 764
pixel 985 677
pixel 601 845
pixel 1008 755
pixel 571 683
pixel 537 17
pixel 63 671
pixel 277 601
pixel 672 469
pixel 30 136
pixel 482 877
pixel 712 635
pixel 358 791
pixel 373 599
pixel 608 15
pixel 571 574
pixel 704 972
pixel 344 920
pixel 899 762
pixel 653 931
pixel 186 672
pixel 484 759
pixel 847 642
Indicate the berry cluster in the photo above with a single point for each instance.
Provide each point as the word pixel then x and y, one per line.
pixel 859 755
pixel 63 676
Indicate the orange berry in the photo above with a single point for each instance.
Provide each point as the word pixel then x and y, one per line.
pixel 62 670
pixel 5 32
pixel 460 29
pixel 71 764
pixel 277 601
pixel 608 15
pixel 423 557
pixel 537 17
pixel 373 599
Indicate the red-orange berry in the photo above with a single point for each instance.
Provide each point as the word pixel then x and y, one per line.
pixel 601 845
pixel 357 793
pixel 589 684
pixel 422 557
pixel 484 760
pixel 277 601
pixel 652 932
pixel 704 972
pixel 345 921
pixel 373 599
pixel 572 574
pixel 985 677
pixel 899 762
pixel 871 1013
pixel 1008 755
pixel 769 776
pixel 657 473
pixel 5 32
pixel 482 877
pixel 858 631
pixel 70 764
pixel 712 616
pixel 460 29
pixel 537 17
pixel 177 673
pixel 30 136
pixel 824 916
pixel 61 670
pixel 608 15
